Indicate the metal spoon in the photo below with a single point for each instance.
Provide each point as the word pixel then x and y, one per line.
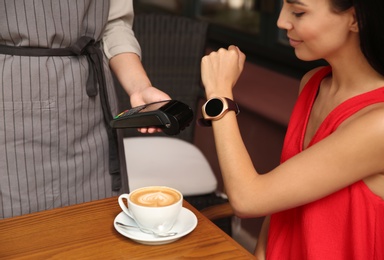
pixel 148 231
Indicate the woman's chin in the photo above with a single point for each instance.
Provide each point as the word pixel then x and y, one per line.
pixel 305 56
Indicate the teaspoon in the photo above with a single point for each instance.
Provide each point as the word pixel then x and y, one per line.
pixel 148 231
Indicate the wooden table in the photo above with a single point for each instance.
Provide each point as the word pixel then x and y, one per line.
pixel 85 231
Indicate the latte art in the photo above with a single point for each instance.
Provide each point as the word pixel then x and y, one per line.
pixel 155 198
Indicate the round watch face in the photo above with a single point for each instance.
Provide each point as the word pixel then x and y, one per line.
pixel 214 107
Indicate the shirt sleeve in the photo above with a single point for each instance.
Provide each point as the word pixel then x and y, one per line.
pixel 118 36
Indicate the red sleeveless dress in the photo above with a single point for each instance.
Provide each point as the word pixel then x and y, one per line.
pixel 348 224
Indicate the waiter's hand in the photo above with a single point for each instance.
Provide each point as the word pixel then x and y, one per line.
pixel 145 96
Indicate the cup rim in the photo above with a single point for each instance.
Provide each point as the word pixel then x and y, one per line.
pixel 155 186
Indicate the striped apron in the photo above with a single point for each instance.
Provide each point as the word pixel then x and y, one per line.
pixel 54 140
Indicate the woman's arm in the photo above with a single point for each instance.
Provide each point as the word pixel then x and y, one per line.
pixel 337 161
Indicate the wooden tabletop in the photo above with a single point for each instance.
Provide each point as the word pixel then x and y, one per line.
pixel 85 231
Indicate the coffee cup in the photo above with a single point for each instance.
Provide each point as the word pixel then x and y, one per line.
pixel 154 207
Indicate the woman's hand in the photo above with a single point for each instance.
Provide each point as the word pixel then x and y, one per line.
pixel 220 71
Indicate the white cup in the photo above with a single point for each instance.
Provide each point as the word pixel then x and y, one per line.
pixel 154 207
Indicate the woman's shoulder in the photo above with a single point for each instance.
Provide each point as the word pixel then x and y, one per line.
pixel 307 76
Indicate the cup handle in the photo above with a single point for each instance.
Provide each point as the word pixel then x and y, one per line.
pixel 123 206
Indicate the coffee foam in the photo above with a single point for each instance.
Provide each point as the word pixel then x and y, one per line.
pixel 155 198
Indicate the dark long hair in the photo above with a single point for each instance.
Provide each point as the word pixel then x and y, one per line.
pixel 369 15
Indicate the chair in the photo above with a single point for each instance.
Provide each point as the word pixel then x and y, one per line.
pixel 172 48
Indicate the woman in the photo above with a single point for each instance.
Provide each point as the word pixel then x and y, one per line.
pixel 326 197
pixel 57 97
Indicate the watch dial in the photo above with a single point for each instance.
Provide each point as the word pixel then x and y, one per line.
pixel 214 107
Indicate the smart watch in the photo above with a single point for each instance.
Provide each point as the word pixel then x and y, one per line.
pixel 215 108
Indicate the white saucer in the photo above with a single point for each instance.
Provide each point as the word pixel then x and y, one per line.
pixel 185 223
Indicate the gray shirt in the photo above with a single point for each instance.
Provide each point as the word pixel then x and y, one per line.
pixel 118 36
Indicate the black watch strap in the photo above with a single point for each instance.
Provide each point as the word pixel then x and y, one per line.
pixel 232 106
pixel 204 122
